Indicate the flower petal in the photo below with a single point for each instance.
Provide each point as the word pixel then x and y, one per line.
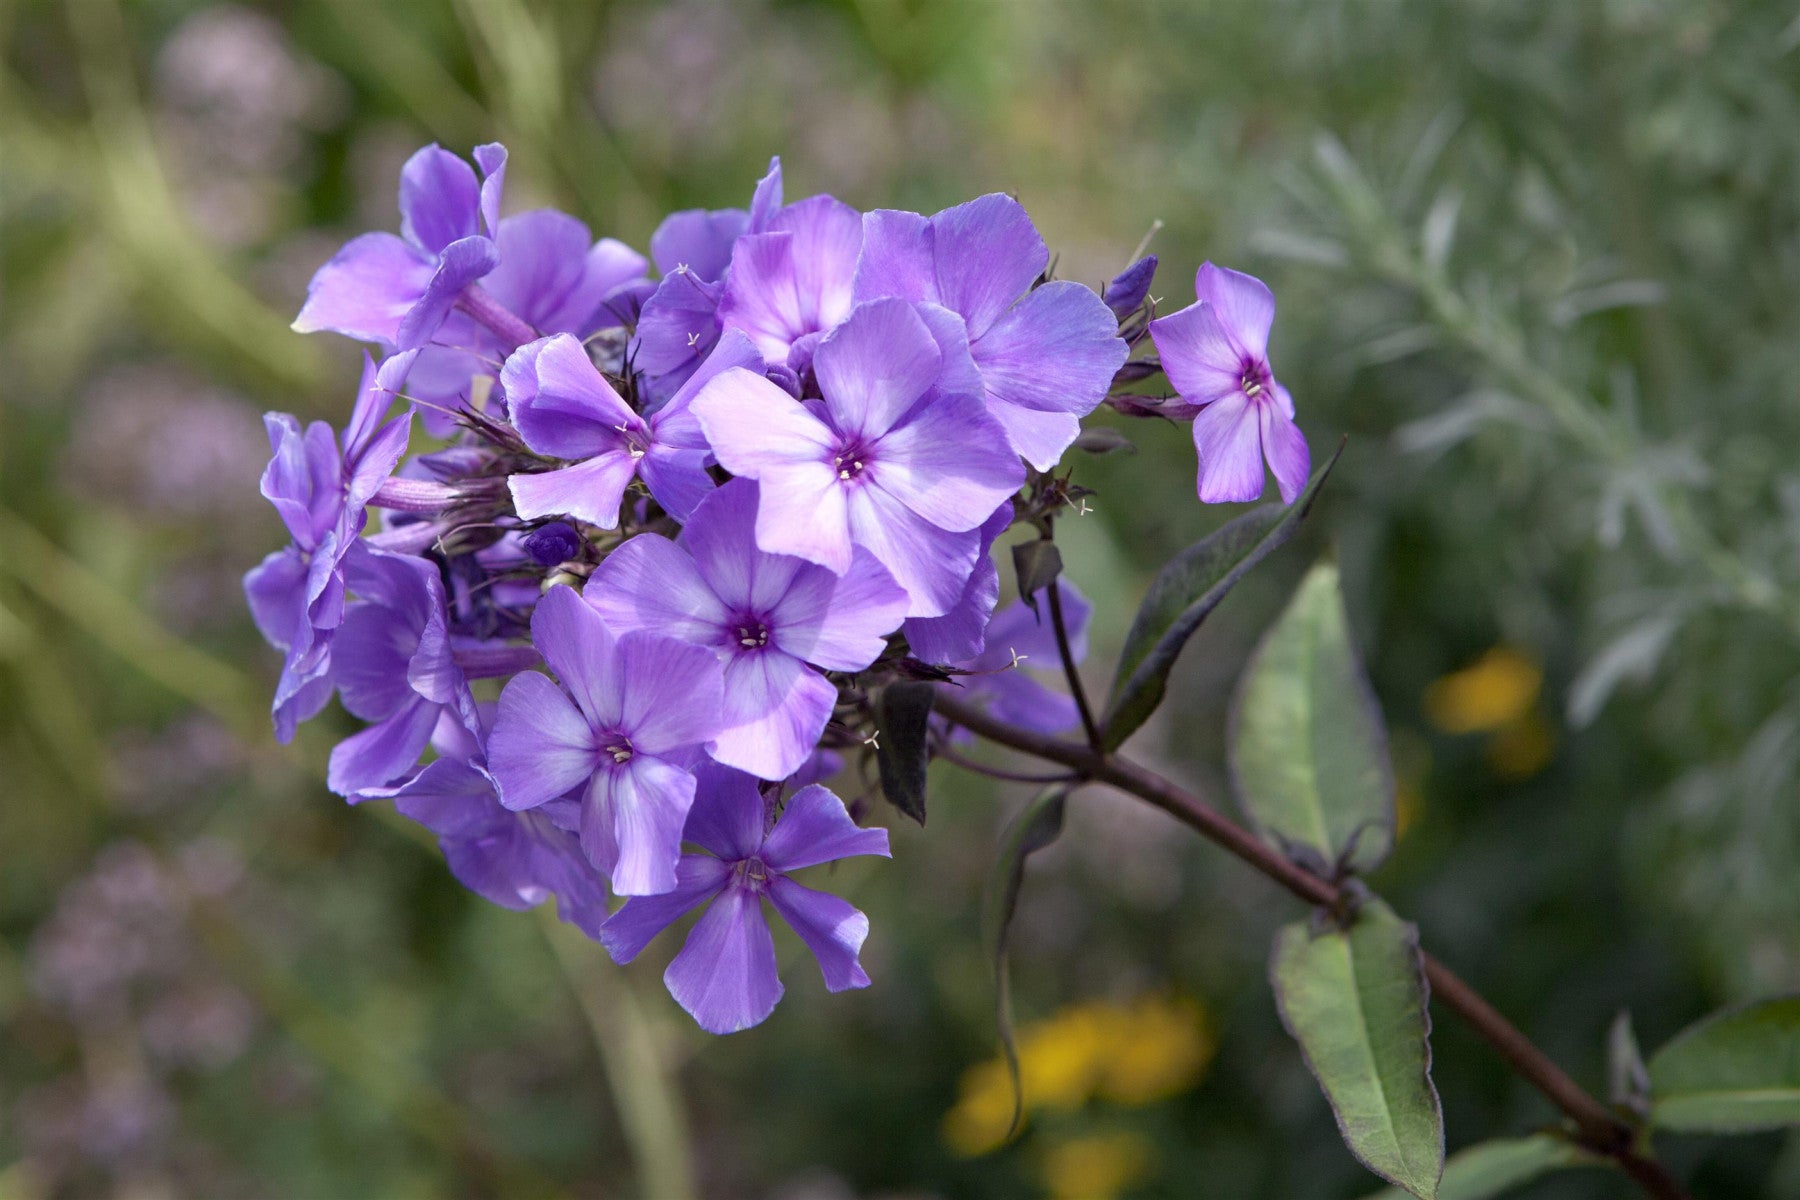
pixel 670 691
pixel 725 975
pixel 1057 350
pixel 541 746
pixel 651 583
pixel 384 751
pixel 577 644
pixel 932 564
pixel 896 257
pixel 948 463
pixel 987 254
pixel 591 491
pixel 366 290
pixel 1245 305
pixel 753 425
pixel 560 403
pixel 956 636
pixel 775 708
pixel 1196 353
pixel 721 536
pixel 697 240
pixel 832 928
pixel 697 880
pixel 1230 448
pixel 645 803
pixel 462 263
pixel 875 366
pixel 439 199
pixel 815 828
pixel 729 816
pixel 1285 447
pixel 678 479
pixel 839 622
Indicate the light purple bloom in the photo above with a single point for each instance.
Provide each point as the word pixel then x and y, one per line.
pixel 888 460
pixel 767 616
pixel 1216 354
pixel 679 325
pixel 958 634
pixel 514 859
pixel 564 408
pixel 792 283
pixel 626 732
pixel 296 594
pixel 398 290
pixel 1000 684
pixel 394 666
pixel 725 974
pixel 1047 355
pixel 554 277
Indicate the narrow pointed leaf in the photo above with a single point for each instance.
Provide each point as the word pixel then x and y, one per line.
pixel 1734 1072
pixel 1308 747
pixel 902 711
pixel 1036 826
pixel 1494 1168
pixel 1355 1001
pixel 1037 565
pixel 1184 592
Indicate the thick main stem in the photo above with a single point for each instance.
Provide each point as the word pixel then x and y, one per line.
pixel 1600 1129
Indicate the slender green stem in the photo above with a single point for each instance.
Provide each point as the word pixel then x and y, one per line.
pixel 635 1062
pixel 1063 649
pixel 1600 1129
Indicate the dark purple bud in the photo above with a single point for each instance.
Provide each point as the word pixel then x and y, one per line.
pixel 1131 285
pixel 551 544
pixel 787 379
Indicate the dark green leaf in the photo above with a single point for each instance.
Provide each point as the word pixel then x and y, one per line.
pixel 1184 592
pixel 1627 1079
pixel 1734 1072
pixel 901 752
pixel 1308 748
pixel 1355 1001
pixel 1493 1168
pixel 1036 826
pixel 1101 440
pixel 1038 564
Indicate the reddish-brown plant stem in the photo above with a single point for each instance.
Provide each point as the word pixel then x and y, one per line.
pixel 1599 1128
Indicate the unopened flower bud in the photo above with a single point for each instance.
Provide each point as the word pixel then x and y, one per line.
pixel 1130 286
pixel 551 544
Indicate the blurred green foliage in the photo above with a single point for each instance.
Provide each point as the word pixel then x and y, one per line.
pixel 1538 260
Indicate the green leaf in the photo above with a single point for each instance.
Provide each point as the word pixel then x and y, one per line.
pixel 1308 748
pixel 902 710
pixel 1184 592
pixel 1036 826
pixel 1355 1001
pixel 1734 1072
pixel 1627 1079
pixel 1037 564
pixel 1495 1167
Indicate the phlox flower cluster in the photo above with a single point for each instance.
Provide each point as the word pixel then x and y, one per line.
pixel 675 519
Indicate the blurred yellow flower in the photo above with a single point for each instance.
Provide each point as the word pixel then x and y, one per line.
pixel 1494 691
pixel 1097 1166
pixel 1522 748
pixel 1128 1054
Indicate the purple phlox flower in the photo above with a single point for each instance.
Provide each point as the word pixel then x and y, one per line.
pixel 1216 354
pixel 625 729
pixel 296 594
pixel 793 283
pixel 554 277
pixel 1047 355
pixel 820 765
pixel 395 667
pixel 1021 645
pixel 692 249
pixel 890 459
pixel 514 859
pixel 957 635
pixel 771 618
pixel 725 974
pixel 1129 287
pixel 398 290
pixel 564 408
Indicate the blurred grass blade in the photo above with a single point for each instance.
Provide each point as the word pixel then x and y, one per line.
pixel 1181 596
pixel 1735 1072
pixel 1355 1001
pixel 1494 1168
pixel 1038 825
pixel 1308 748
